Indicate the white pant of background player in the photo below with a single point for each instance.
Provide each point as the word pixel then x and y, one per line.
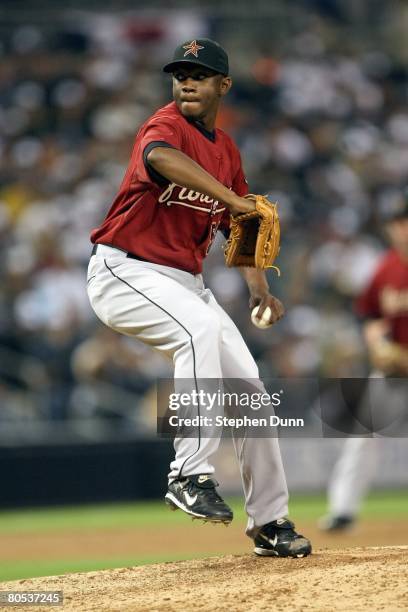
pixel 356 466
pixel 352 476
pixel 173 312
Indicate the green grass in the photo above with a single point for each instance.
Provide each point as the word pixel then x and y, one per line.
pixel 138 514
pixel 105 516
pixel 18 570
pixel 376 505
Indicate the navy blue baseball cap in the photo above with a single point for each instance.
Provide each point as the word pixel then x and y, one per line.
pixel 394 208
pixel 202 52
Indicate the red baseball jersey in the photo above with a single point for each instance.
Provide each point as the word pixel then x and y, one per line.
pixel 162 222
pixel 386 296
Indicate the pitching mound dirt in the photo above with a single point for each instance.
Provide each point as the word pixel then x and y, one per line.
pixel 354 579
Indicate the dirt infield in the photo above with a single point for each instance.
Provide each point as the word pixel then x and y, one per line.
pixel 189 538
pixel 354 579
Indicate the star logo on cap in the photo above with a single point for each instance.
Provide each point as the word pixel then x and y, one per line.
pixel 192 48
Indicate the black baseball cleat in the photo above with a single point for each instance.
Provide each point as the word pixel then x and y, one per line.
pixel 196 495
pixel 279 539
pixel 339 523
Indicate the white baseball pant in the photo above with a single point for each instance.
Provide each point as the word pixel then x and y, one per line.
pixel 357 463
pixel 173 312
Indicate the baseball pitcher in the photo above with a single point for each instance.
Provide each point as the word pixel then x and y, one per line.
pixel 185 182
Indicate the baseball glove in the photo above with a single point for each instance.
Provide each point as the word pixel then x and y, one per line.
pixel 254 236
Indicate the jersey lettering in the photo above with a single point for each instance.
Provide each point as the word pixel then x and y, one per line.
pixel 181 194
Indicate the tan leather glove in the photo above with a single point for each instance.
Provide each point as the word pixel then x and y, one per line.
pixel 255 236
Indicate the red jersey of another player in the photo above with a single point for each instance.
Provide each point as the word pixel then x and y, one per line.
pixel 162 222
pixel 386 297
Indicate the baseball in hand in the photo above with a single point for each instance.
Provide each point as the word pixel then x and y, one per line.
pixel 262 323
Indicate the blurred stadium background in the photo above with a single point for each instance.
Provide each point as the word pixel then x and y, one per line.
pixel 319 111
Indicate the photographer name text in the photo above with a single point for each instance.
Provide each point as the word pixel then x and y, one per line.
pixel 238 422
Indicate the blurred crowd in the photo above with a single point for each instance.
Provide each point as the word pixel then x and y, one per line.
pixel 322 124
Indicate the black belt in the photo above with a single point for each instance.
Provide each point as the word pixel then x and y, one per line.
pixel 130 255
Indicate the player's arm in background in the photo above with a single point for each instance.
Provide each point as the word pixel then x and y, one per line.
pixel 384 354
